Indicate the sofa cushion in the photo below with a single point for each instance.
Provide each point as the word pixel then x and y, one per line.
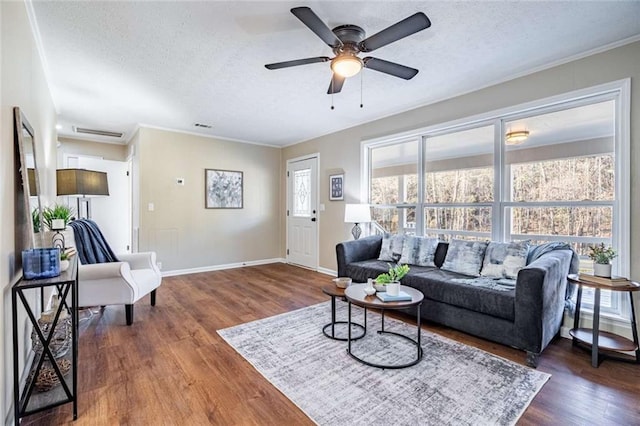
pixel 419 251
pixel 438 285
pixel 391 249
pixel 465 257
pixel 504 260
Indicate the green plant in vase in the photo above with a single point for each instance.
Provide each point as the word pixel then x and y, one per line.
pixel 57 212
pixel 602 257
pixel 395 274
pixel 35 219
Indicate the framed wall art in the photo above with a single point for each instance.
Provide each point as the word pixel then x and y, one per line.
pixel 336 187
pixel 223 189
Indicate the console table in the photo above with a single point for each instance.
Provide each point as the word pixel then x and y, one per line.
pixel 26 400
pixel 602 339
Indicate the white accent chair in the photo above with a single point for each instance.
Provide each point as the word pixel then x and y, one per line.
pixel 119 283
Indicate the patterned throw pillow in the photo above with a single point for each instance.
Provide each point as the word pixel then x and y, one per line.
pixel 504 260
pixel 391 249
pixel 418 251
pixel 465 257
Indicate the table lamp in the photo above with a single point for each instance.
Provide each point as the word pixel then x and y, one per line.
pixel 357 214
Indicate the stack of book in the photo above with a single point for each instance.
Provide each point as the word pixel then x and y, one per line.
pixel 401 297
pixel 614 281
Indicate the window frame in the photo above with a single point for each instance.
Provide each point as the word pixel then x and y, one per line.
pixel 618 91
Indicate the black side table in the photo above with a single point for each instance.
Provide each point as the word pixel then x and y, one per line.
pixel 26 399
pixel 333 291
pixel 598 339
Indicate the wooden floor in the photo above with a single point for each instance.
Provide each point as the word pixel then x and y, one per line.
pixel 171 367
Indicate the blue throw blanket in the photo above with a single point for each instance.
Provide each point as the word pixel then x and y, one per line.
pixel 90 243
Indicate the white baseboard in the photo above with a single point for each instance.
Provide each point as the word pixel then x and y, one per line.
pixel 221 267
pixel 327 271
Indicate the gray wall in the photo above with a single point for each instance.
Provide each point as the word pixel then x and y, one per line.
pixel 184 234
pixel 22 84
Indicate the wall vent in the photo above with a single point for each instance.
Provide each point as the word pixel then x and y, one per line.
pixel 98 132
pixel 204 126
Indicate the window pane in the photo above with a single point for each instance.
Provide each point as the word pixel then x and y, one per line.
pixel 573 179
pixel 459 167
pixel 394 178
pixel 302 192
pixel 567 156
pixel 395 220
pixel 470 222
pixel 566 221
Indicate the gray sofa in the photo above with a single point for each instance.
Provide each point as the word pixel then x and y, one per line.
pixel 527 317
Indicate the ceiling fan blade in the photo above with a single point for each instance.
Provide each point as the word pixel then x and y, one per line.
pixel 315 24
pixel 390 68
pixel 297 62
pixel 395 32
pixel 335 86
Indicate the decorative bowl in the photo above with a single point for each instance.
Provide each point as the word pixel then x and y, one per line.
pixel 342 282
pixel 369 291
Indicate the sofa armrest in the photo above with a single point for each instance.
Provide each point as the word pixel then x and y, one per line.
pixel 539 300
pixel 357 250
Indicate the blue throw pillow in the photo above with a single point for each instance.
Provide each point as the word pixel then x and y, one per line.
pixel 418 251
pixel 465 257
pixel 391 249
pixel 504 260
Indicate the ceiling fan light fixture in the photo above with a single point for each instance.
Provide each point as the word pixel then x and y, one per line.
pixel 346 65
pixel 516 138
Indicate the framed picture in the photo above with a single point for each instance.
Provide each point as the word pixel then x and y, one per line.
pixel 222 189
pixel 336 187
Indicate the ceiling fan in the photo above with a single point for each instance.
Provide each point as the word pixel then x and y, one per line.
pixel 347 41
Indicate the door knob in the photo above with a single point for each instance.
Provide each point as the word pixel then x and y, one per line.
pixel 313 219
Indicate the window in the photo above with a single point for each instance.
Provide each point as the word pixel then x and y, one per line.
pixel 394 186
pixel 458 184
pixel 567 181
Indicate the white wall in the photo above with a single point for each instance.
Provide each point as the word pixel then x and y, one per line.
pixel 23 84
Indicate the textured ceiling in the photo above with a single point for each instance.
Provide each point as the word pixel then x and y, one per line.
pixel 116 65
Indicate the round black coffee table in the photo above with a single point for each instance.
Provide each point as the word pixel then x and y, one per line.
pixel 333 291
pixel 355 295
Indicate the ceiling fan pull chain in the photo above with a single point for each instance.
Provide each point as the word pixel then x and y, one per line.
pixel 361 78
pixel 332 108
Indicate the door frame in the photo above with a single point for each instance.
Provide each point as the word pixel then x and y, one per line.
pixel 315 155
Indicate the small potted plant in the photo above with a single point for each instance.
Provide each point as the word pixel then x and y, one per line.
pixel 57 218
pixel 602 256
pixel 390 281
pixel 64 261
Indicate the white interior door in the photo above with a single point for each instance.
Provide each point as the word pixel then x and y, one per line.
pixel 113 213
pixel 302 209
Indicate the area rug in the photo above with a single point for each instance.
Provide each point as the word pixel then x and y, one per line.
pixel 453 384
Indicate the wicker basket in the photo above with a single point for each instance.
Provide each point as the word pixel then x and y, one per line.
pixel 61 340
pixel 47 378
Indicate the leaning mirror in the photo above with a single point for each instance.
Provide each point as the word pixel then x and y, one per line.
pixel 28 209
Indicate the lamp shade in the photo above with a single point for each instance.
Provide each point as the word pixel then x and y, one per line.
pixel 357 213
pixel 81 182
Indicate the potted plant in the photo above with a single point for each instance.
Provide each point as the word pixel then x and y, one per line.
pixel 602 256
pixel 390 281
pixel 57 217
pixel 64 261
